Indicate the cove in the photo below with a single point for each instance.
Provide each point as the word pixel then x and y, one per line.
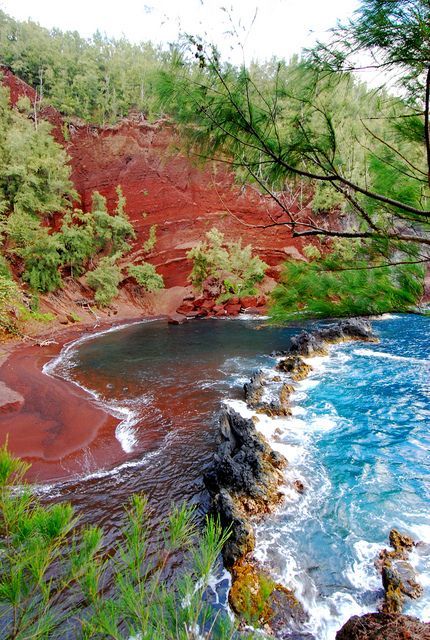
pixel 358 440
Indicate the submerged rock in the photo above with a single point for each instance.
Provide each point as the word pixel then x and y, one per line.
pixel 382 626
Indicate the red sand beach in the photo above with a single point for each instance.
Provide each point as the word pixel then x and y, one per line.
pixel 51 423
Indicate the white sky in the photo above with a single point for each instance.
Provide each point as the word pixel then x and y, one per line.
pixel 281 28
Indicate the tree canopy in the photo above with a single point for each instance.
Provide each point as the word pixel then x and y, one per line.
pixel 98 79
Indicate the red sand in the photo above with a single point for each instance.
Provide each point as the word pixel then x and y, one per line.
pixel 59 428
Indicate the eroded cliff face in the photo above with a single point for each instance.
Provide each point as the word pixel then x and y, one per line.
pixel 164 187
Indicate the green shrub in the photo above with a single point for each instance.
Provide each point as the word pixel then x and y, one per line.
pixel 42 259
pixel 150 243
pixel 233 266
pixel 146 276
pixel 112 231
pixel 104 279
pixel 351 280
pixel 10 297
pixel 53 572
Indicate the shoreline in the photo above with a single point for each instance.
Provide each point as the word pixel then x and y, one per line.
pixel 50 422
pixel 38 411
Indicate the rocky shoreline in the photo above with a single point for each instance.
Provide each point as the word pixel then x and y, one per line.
pixel 246 482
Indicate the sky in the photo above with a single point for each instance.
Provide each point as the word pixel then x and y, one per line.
pixel 280 28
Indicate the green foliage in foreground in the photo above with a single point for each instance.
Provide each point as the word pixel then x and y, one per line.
pixel 346 282
pixel 231 265
pixel 54 573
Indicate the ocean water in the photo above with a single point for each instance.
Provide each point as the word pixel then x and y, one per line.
pixel 358 439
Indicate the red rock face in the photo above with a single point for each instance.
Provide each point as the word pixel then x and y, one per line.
pixel 164 187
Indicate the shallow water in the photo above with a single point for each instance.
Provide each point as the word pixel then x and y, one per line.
pixel 359 440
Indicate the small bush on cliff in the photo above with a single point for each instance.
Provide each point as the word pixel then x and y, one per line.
pixel 112 232
pixel 54 573
pixel 146 276
pixel 233 266
pixel 10 296
pixel 353 279
pixel 105 280
pixel 84 235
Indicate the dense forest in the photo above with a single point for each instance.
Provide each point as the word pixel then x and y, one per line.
pixel 313 137
pixel 98 80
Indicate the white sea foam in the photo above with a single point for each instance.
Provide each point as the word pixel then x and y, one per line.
pixel 371 353
pixel 54 487
pixel 124 432
pixel 385 316
pixel 421 532
pixel 326 617
pixel 362 573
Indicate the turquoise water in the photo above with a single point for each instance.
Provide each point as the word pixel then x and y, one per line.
pixel 359 440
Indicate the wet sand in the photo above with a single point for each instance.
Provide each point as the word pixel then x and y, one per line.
pixel 51 423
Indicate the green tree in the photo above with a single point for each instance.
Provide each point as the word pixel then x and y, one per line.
pixel 234 267
pixel 34 170
pixel 99 79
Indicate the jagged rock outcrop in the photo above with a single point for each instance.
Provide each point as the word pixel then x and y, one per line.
pixel 382 626
pixel 269 395
pixel 399 582
pixel 295 367
pixel 398 576
pixel 247 468
pixel 245 483
pixel 314 344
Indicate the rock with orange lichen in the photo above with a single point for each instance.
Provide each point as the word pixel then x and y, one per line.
pixel 295 367
pixel 257 599
pixel 398 576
